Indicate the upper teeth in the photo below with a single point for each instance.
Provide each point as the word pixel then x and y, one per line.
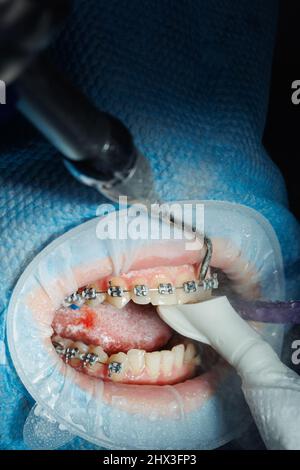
pixel 140 290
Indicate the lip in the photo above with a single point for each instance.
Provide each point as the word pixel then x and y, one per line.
pixel 97 411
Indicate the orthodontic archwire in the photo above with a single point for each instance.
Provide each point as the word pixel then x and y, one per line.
pixel 208 255
pixel 76 299
pixel 206 260
pixel 88 359
pixel 91 293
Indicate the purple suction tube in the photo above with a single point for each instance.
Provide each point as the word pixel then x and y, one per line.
pixel 269 312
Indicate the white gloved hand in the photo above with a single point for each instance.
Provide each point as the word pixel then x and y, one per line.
pixel 271 389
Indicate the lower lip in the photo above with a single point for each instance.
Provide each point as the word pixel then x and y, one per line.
pixel 146 399
pixel 161 400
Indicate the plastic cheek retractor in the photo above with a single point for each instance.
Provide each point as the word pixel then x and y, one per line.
pixel 131 416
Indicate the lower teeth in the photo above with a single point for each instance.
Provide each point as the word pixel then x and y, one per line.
pixel 136 361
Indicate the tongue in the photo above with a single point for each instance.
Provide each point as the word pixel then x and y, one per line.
pixel 132 327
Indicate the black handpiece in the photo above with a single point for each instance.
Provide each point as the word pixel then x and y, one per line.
pixel 26 29
pixel 98 144
pixel 98 149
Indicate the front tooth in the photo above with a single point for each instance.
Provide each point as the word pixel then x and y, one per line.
pixel 99 352
pixel 123 360
pixel 178 352
pixel 121 301
pixel 167 361
pixel 136 358
pixel 159 298
pixel 190 352
pixel 152 361
pixel 140 299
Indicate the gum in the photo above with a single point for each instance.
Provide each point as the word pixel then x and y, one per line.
pixel 177 375
pixel 153 275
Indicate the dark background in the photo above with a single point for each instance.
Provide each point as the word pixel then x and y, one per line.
pixel 282 132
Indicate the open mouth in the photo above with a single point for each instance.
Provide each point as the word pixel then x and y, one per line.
pixel 116 338
pixel 121 337
pixel 110 329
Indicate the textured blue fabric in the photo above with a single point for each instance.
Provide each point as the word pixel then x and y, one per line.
pixel 190 79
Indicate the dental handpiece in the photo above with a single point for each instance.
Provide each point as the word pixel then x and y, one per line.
pixel 98 148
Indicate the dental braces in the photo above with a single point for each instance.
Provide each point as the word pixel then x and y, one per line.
pixel 76 299
pixel 88 359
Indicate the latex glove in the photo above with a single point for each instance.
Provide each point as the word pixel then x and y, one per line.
pixel 271 389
